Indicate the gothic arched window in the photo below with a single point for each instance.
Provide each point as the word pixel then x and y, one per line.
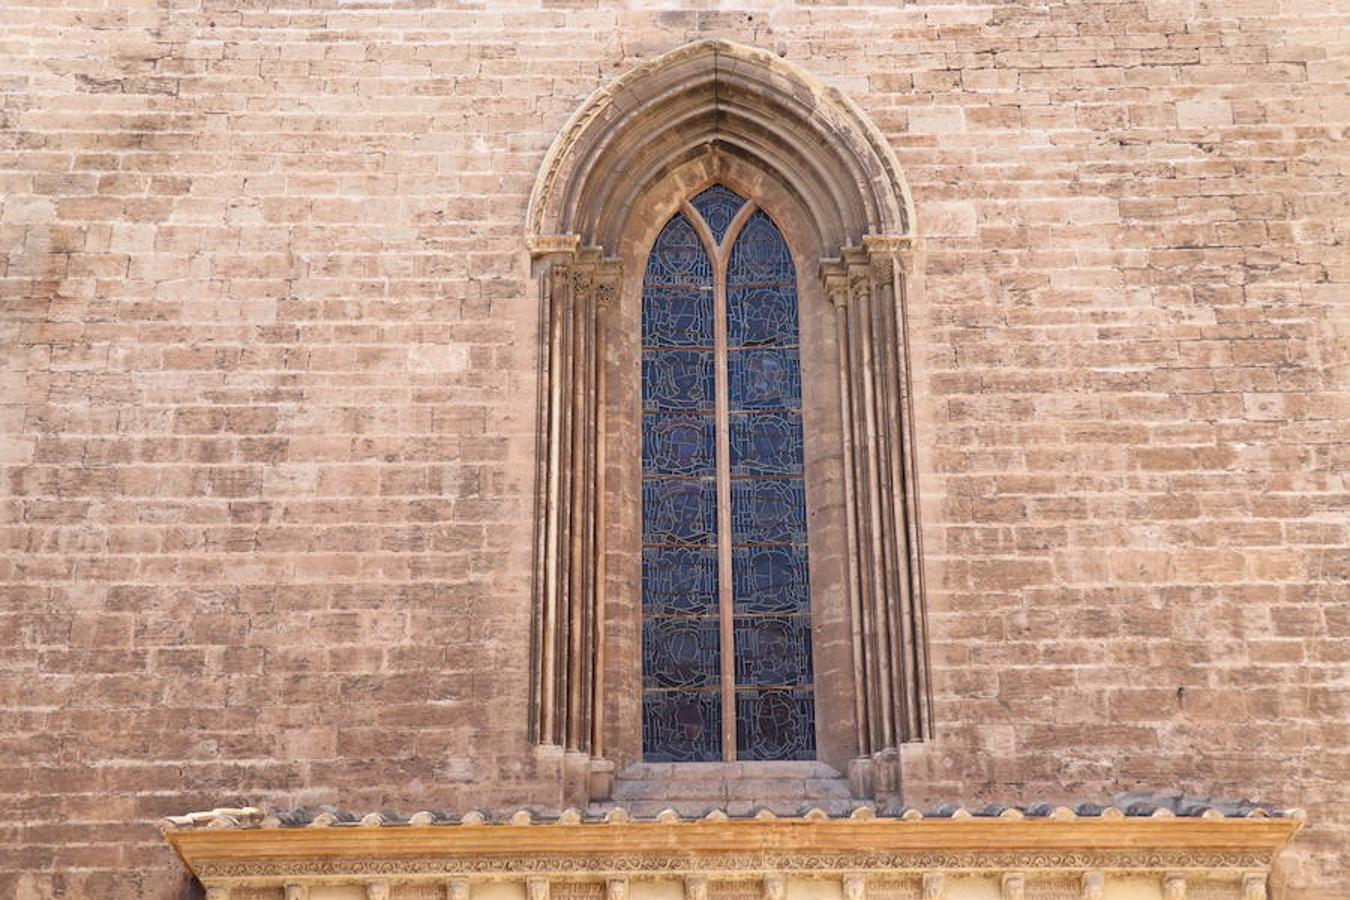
pixel 726 625
pixel 700 227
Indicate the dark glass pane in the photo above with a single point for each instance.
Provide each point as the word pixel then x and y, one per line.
pixel 768 511
pixel 766 443
pixel 775 724
pixel 764 379
pixel 677 316
pixel 680 653
pixel 675 511
pixel 762 316
pixel 771 579
pixel 679 581
pixel 760 255
pixel 678 257
pixel 717 205
pixel 773 651
pixel 677 444
pixel 682 726
pixel 677 379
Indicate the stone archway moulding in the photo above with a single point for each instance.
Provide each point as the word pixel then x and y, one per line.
pixel 725 100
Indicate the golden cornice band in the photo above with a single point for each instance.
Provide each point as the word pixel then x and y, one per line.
pixel 741 845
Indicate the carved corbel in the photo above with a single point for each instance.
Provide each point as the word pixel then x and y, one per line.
pixel 934 886
pixel 377 890
pixel 1093 886
pixel 616 889
pixel 1013 886
pixel 1254 886
pixel 297 891
pixel 457 889
pixel 775 886
pixel 1174 887
pixel 695 887
pixel 855 887
pixel 217 892
pixel 536 888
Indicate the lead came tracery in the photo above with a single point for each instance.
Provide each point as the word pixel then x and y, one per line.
pixel 724 507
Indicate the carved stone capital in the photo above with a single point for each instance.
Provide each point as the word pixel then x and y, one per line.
pixel 775 886
pixel 536 888
pixel 457 889
pixel 696 887
pixel 1174 887
pixel 546 244
pixel 835 276
pixel 934 886
pixel 297 891
pixel 1014 886
pixel 1254 886
pixel 855 886
pixel 1093 886
pixel 377 890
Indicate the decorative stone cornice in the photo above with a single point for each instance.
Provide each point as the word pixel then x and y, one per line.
pixel 1176 850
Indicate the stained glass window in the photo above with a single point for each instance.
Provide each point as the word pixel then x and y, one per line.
pixel 721 389
pixel 681 624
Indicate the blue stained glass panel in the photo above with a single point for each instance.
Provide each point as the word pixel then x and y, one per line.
pixel 768 511
pixel 682 726
pixel 677 444
pixel 678 257
pixel 682 706
pixel 760 255
pixel 762 316
pixel 764 379
pixel 679 581
pixel 677 379
pixel 766 443
pixel 771 579
pixel 717 205
pixel 681 652
pixel 677 316
pixel 677 511
pixel 775 724
pixel 773 651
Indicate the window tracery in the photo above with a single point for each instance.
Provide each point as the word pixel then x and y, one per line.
pixel 726 599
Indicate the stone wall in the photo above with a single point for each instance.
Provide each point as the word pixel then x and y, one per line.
pixel 267 402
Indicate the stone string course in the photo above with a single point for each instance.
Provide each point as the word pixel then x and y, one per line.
pixel 267 356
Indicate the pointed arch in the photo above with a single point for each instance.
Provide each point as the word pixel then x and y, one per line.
pixel 706 113
pixel 741 100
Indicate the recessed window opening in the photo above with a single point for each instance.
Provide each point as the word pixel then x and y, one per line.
pixel 726 620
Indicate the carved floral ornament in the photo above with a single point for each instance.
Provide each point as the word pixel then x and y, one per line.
pixel 763 858
pixel 722 106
